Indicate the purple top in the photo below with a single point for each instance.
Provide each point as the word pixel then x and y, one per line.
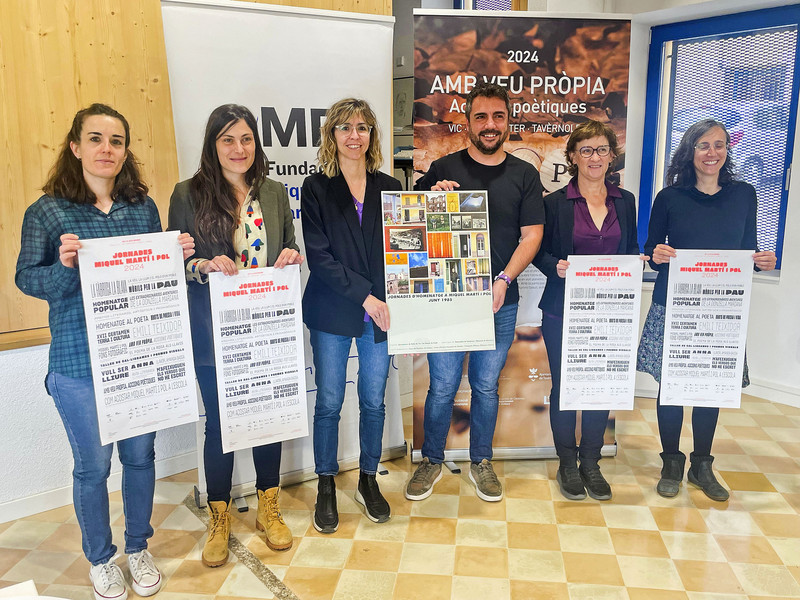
pixel 586 239
pixel 360 212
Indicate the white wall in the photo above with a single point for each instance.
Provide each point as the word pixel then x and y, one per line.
pixel 37 461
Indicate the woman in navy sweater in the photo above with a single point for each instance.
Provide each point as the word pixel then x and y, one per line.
pixel 701 208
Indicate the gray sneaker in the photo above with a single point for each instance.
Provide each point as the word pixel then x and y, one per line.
pixel 422 481
pixel 487 485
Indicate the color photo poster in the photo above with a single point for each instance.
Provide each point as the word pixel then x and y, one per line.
pixel 438 274
pixel 559 72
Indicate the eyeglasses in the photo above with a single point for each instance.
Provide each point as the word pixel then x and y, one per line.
pixel 587 151
pixel 706 146
pixel 361 128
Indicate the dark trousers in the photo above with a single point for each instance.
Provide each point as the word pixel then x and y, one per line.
pixel 562 422
pixel 219 466
pixel 670 422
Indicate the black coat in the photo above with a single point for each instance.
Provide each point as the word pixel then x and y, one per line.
pixel 557 242
pixel 346 260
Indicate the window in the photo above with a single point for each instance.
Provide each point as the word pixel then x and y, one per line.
pixel 726 69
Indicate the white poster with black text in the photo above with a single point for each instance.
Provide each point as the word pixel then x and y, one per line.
pixel 137 320
pixel 258 348
pixel 708 301
pixel 601 332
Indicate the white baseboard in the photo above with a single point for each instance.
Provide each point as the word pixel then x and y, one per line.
pixel 56 498
pixel 776 392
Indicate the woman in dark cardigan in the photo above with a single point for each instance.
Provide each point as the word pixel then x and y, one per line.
pixel 588 216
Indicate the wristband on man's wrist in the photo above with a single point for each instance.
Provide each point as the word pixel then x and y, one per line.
pixel 504 277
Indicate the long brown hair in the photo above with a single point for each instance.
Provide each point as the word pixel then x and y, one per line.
pixel 341 112
pixel 216 207
pixel 66 175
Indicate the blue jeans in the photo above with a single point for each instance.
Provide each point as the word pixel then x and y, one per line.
pixel 331 353
pixel 483 372
pixel 218 466
pixel 75 401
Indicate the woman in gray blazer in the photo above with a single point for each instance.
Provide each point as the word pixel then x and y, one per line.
pixel 240 219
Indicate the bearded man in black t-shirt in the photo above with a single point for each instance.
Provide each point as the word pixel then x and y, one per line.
pixel 516 222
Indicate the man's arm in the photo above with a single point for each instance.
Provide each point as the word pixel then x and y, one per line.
pixel 522 257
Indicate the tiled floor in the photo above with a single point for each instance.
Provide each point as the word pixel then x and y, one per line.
pixel 532 545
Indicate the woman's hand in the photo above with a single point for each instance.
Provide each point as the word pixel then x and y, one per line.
pixel 445 185
pixel 378 311
pixel 644 258
pixel 68 250
pixel 561 268
pixel 662 253
pixel 765 260
pixel 221 264
pixel 187 244
pixel 288 256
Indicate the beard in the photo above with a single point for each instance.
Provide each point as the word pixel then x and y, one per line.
pixel 483 148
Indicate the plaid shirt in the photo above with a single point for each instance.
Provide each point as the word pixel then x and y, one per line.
pixel 41 274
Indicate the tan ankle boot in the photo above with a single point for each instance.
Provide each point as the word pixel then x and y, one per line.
pixel 215 551
pixel 269 520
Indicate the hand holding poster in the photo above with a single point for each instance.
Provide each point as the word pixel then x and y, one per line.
pixel 601 332
pixel 708 300
pixel 258 348
pixel 438 271
pixel 137 319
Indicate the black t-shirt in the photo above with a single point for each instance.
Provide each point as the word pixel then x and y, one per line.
pixel 515 200
pixel 686 218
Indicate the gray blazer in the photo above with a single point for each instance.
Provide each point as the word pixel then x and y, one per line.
pixel 279 228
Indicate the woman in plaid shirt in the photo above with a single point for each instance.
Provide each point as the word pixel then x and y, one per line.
pixel 94 190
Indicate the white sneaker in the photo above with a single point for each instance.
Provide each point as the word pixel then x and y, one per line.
pixel 108 582
pixel 145 576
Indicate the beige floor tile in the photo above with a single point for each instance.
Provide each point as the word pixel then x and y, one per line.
pixel 580 538
pixel 76 592
pixel 241 583
pixel 526 469
pixel 413 586
pixel 748 549
pixel 366 555
pixel 27 534
pixel 56 515
pixel 536 565
pixel 730 447
pixel 481 533
pixel 679 519
pixel 431 531
pixel 638 542
pixel 520 510
pixel 596 569
pixel 42 567
pixel 472 507
pixel 766 580
pixel 299 497
pixel 760 448
pixel 767 502
pixel 787 549
pixel 533 489
pixel 779 525
pixel 646 572
pixel 736 417
pixel 651 594
pixel 393 530
pixel 533 536
pixel 628 494
pixel 194 577
pixel 480 561
pixel 172 543
pixel 168 493
pixel 442 506
pixel 713 577
pixel 747 433
pixel 728 522
pixel 777 464
pixel 772 420
pixel 67 538
pixel 784 482
pixel 538 590
pixel 734 462
pixel 430 559
pixel 365 585
pixel 312 584
pixel 639 442
pixel 592 591
pixel 579 513
pixel 270 557
pixel 782 434
pixel 628 517
pixel 322 553
pixel 10 557
pixel 399 504
pixel 480 588
pixel 692 546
